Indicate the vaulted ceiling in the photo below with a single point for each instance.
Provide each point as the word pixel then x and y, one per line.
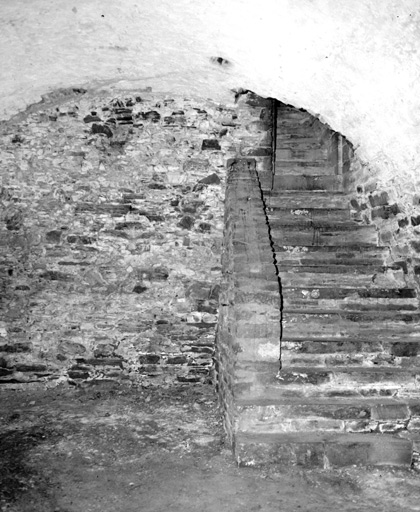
pixel 355 64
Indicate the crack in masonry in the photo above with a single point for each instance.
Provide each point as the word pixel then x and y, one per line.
pixel 275 265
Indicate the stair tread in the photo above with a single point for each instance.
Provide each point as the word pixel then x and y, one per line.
pixel 322 449
pixel 311 181
pixel 256 380
pixel 304 437
pixel 328 401
pixel 396 338
pixel 272 368
pixel 321 292
pixel 335 249
pixel 300 222
pixel 334 268
pixel 354 314
pixel 342 280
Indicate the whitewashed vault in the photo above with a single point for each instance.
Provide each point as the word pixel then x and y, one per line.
pixel 354 64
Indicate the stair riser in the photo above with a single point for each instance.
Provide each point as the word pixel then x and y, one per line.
pixel 396 305
pixel 299 182
pixel 289 216
pixel 327 419
pixel 290 238
pixel 342 329
pixel 306 303
pixel 302 223
pixel 301 200
pixel 335 451
pixel 339 293
pixel 322 280
pixel 331 268
pixel 349 359
pixel 309 168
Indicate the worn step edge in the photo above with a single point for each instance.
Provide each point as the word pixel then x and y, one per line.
pixel 326 401
pixel 322 450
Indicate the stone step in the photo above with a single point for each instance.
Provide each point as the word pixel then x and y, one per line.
pixel 302 153
pixel 285 236
pixel 312 254
pixel 305 182
pixel 341 280
pixel 303 199
pixel 381 357
pixel 340 349
pixel 354 325
pixel 291 127
pixel 314 293
pixel 293 114
pixel 304 299
pixel 298 124
pixel 326 316
pixel 333 268
pixel 298 167
pixel 363 305
pixel 329 415
pixel 307 143
pixel 302 223
pixel 261 380
pixel 331 251
pixel 315 281
pixel 289 216
pixel 322 450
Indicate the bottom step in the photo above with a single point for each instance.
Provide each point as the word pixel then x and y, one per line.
pixel 320 450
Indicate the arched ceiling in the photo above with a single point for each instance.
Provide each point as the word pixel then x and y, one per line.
pixel 355 64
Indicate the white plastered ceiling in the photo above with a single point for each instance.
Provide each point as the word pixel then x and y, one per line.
pixel 354 63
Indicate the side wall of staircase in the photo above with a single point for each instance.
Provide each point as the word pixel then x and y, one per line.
pixel 301 267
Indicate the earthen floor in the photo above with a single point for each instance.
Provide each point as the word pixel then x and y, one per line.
pixel 108 448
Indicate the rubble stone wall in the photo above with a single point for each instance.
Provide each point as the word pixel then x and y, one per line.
pixel 111 236
pixel 393 206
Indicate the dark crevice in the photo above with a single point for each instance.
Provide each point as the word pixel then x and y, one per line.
pixel 271 242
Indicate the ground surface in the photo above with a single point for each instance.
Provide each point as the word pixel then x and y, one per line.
pixel 106 448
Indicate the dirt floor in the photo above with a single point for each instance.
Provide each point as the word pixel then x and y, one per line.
pixel 103 447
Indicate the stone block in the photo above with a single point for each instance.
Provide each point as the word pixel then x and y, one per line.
pixel 391 451
pixel 290 377
pixel 405 349
pixel 380 199
pixel 385 212
pixel 361 426
pixel 258 152
pixel 386 412
pixel 53 236
pixel 210 145
pixel 149 359
pixel 414 425
pixel 254 453
pixel 18 347
pixel 102 129
pixel 342 454
pixel 392 427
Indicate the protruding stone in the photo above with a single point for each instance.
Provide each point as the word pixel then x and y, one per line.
pixel 210 144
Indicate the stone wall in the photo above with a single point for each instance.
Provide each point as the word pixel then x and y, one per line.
pixel 393 206
pixel 112 217
pixel 111 234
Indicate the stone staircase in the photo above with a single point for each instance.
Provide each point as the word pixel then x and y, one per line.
pixel 348 391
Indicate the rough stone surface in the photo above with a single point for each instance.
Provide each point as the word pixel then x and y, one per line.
pixel 111 239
